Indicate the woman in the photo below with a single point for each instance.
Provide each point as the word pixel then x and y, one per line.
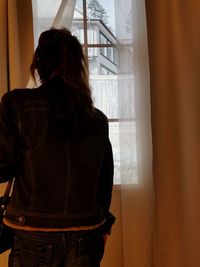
pixel 56 145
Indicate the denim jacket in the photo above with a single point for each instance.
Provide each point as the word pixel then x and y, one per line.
pixel 58 183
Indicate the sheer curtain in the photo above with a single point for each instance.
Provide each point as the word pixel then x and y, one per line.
pixel 58 14
pixel 137 196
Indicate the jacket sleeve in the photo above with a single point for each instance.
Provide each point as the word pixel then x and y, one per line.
pixel 107 173
pixel 9 145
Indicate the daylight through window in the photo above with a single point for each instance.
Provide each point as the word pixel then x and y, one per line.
pixel 94 24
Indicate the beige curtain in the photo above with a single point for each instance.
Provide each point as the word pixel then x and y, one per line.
pixel 16 43
pixel 16 50
pixel 174 50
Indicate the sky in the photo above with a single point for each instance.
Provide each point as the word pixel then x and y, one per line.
pixel 109 6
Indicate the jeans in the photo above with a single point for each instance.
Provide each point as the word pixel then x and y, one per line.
pixel 60 249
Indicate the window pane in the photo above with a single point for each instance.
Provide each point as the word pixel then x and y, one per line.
pixel 105 96
pixel 109 66
pixel 99 63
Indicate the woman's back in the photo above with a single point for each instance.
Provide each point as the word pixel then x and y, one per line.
pixel 58 175
pixel 56 145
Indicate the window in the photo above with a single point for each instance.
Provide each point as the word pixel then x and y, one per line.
pixel 96 30
pixel 99 43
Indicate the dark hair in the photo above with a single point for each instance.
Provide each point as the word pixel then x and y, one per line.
pixel 60 62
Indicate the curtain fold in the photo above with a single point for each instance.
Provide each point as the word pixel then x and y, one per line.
pixel 65 14
pixel 16 43
pixel 174 41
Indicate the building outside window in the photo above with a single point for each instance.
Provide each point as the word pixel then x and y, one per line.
pixel 105 71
